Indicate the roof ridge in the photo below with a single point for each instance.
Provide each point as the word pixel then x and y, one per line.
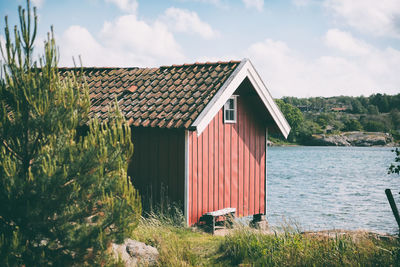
pixel 202 63
pixel 160 67
pixel 101 68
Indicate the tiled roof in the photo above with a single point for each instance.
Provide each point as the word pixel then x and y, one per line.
pixel 165 97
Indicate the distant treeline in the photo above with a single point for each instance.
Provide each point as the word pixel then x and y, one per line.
pixel 332 115
pixel 373 104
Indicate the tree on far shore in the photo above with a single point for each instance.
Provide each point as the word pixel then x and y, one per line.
pixel 64 196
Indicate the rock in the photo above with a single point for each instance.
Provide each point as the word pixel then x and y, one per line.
pixel 259 222
pixel 135 253
pixel 352 139
pixel 261 225
pixel 330 140
pixel 270 143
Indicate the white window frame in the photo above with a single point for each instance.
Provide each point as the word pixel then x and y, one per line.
pixel 234 98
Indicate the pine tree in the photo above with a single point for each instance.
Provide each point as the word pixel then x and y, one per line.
pixel 64 195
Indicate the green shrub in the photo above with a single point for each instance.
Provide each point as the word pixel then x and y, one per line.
pixel 352 125
pixel 374 126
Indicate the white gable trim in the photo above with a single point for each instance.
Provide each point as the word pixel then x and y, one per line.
pixel 245 69
pixel 186 209
pixel 219 99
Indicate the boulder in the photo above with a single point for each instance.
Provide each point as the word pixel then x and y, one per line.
pixel 368 139
pixel 329 140
pixel 352 139
pixel 135 253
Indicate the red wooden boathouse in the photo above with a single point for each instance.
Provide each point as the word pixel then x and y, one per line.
pixel 199 132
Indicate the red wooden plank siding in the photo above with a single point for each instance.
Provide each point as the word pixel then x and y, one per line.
pixel 251 168
pixel 163 144
pixel 241 161
pixel 246 165
pixel 200 176
pixel 180 166
pixel 227 165
pixel 262 175
pixel 234 166
pixel 210 159
pixel 194 202
pixel 220 166
pixel 215 166
pixel 257 174
pixel 227 161
pixel 158 164
pixel 204 138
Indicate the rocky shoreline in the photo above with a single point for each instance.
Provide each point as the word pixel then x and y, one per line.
pixel 364 139
pixel 355 138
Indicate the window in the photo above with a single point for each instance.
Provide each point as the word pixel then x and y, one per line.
pixel 230 110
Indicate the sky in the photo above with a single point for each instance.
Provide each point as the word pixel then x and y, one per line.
pixel 302 48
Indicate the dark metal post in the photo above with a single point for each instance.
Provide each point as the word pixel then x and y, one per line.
pixel 395 211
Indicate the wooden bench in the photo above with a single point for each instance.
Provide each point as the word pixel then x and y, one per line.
pixel 210 217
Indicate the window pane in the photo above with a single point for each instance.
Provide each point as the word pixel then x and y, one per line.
pixel 226 106
pixel 230 110
pixel 231 104
pixel 231 115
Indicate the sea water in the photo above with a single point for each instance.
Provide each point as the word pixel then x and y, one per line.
pixel 331 187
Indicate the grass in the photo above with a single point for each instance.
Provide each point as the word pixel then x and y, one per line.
pixel 183 246
pixel 246 246
pixel 178 245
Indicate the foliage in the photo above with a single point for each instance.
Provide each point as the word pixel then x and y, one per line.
pixel 395 117
pixel 294 117
pixel 358 105
pixel 374 126
pixel 376 113
pixel 307 129
pixel 352 125
pixel 393 168
pixel 64 197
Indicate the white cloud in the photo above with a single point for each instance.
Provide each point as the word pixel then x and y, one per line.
pixel 257 4
pixel 126 41
pixel 38 3
pixel 37 52
pixel 130 34
pixel 380 18
pixel 280 67
pixel 78 41
pixel 287 73
pixel 216 58
pixel 345 42
pixel 217 3
pixel 129 6
pixel 301 3
pixel 181 20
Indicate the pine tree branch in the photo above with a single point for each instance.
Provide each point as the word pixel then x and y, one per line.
pixel 9 149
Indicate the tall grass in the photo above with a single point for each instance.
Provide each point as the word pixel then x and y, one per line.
pixel 246 246
pixel 177 244
pixel 163 226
